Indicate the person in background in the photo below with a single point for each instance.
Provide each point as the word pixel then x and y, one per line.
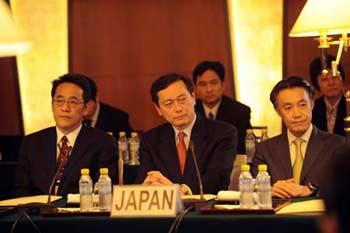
pixel 65 148
pixel 102 116
pixel 209 77
pixel 297 160
pixel 165 153
pixel 330 109
pixel 337 198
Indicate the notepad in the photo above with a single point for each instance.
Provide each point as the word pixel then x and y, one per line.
pixel 29 199
pixel 301 207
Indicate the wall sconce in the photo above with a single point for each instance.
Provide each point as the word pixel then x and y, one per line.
pixel 323 18
pixel 12 41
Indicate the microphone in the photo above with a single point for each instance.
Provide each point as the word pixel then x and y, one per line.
pixel 191 145
pixel 56 175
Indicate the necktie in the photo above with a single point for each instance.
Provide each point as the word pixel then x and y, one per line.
pixel 331 117
pixel 298 164
pixel 211 116
pixel 181 151
pixel 62 158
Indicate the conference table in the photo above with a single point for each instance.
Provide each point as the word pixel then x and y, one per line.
pixel 192 222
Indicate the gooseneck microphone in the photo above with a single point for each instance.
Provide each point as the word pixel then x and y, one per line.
pixel 69 150
pixel 191 145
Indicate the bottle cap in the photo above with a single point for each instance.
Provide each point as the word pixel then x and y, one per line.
pixel 104 171
pixel 85 171
pixel 262 167
pixel 121 134
pixel 249 131
pixel 134 134
pixel 245 167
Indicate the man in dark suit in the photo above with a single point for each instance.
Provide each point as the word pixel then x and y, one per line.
pixel 66 148
pixel 102 116
pixel 209 77
pixel 297 160
pixel 330 109
pixel 164 151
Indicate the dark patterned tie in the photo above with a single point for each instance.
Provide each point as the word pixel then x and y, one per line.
pixel 211 116
pixel 181 151
pixel 62 159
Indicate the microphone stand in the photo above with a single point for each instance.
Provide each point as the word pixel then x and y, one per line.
pixel 197 171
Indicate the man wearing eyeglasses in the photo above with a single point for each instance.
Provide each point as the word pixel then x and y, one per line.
pixel 57 154
pixel 330 109
pixel 165 153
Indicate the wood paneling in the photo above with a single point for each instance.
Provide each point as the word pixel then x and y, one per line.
pixel 10 110
pixel 299 52
pixel 125 45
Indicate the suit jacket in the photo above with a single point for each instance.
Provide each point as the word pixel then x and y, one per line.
pixel 112 120
pixel 319 153
pixel 319 116
pixel 36 168
pixel 234 113
pixel 215 149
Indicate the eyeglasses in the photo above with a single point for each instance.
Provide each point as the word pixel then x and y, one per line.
pixel 71 102
pixel 170 103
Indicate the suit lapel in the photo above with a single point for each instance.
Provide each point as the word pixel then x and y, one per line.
pixel 199 139
pixel 51 153
pixel 283 156
pixel 168 152
pixel 314 147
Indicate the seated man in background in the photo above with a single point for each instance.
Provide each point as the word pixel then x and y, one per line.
pixel 165 155
pixel 209 76
pixel 102 116
pixel 330 109
pixel 297 160
pixel 336 198
pixel 69 145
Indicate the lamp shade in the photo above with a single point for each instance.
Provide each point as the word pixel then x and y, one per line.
pixel 12 41
pixel 322 17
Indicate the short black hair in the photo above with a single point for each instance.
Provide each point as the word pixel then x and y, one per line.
pixel 215 66
pixel 315 69
pixel 290 82
pixel 93 88
pixel 336 195
pixel 165 81
pixel 77 79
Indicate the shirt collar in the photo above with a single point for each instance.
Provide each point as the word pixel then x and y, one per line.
pixel 306 136
pixel 186 130
pixel 72 136
pixel 329 106
pixel 213 110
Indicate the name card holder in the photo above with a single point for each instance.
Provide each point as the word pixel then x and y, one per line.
pixel 146 201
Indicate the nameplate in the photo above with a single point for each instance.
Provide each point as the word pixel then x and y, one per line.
pixel 146 201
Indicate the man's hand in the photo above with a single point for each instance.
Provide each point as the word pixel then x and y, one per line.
pixel 287 189
pixel 155 177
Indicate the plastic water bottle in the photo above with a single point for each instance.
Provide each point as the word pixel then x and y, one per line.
pixel 246 188
pixel 134 149
pixel 123 147
pixel 263 187
pixel 264 135
pixel 85 190
pixel 249 145
pixel 104 190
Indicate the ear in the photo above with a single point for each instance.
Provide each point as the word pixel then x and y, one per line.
pixel 312 104
pixel 158 109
